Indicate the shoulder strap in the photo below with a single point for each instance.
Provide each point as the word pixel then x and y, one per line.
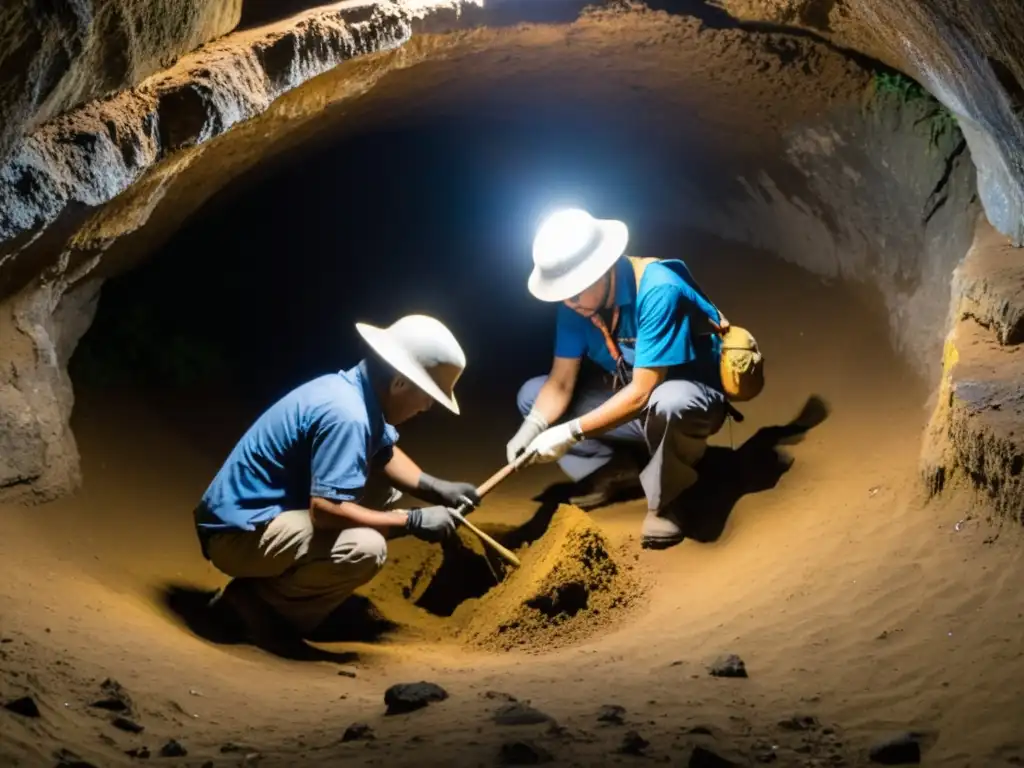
pixel 639 264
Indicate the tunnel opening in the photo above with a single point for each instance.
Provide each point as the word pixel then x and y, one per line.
pixel 430 206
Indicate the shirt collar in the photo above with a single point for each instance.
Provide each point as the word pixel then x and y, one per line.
pixel 360 375
pixel 625 283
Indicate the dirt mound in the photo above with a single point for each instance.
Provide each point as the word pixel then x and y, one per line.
pixel 570 585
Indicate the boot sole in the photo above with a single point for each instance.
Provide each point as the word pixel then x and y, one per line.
pixel 660 542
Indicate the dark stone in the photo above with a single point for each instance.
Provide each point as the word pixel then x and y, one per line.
pixel 611 713
pixel 358 732
pixel 111 705
pixel 705 758
pixel 519 713
pixel 115 697
pixel 799 723
pixel 346 673
pixel 67 759
pixel 903 750
pixel 523 753
pixel 173 749
pixel 25 706
pixel 408 697
pixel 142 753
pixel 766 756
pixel 633 744
pixel 232 747
pixel 699 730
pixel 127 725
pixel 728 666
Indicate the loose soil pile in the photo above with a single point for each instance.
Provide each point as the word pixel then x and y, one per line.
pixel 571 583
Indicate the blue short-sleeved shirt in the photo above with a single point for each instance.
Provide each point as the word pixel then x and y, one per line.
pixel 318 440
pixel 664 324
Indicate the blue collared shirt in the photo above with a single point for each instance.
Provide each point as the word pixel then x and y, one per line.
pixel 664 324
pixel 318 440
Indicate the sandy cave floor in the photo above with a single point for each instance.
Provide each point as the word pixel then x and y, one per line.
pixel 847 600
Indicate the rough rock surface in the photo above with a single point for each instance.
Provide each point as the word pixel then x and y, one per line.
pixel 878 192
pixel 975 437
pixel 54 56
pixel 968 55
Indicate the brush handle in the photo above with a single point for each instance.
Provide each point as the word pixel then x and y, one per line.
pixel 505 553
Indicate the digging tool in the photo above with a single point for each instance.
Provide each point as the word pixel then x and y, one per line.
pixel 489 485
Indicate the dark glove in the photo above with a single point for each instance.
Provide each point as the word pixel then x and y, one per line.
pixel 448 493
pixel 434 524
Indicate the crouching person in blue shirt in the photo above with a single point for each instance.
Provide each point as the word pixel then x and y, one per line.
pixel 297 515
pixel 665 386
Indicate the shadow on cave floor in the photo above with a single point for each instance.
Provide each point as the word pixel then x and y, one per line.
pixel 356 621
pixel 725 476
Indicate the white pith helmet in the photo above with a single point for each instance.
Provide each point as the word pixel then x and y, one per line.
pixel 424 351
pixel 571 251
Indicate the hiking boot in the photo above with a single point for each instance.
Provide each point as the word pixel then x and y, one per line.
pixel 238 604
pixel 616 479
pixel 660 530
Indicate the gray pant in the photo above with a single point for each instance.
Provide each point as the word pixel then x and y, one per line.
pixel 303 573
pixel 673 428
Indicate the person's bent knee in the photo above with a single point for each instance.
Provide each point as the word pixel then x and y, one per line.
pixel 691 408
pixel 364 548
pixel 528 393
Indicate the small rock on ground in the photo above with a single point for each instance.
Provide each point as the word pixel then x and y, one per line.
pixel 611 713
pixel 173 749
pixel 125 724
pixel 25 706
pixel 728 666
pixel 142 753
pixel 115 697
pixel 408 697
pixel 358 732
pixel 903 750
pixel 705 758
pixel 633 744
pixel 519 713
pixel 68 759
pixel 523 753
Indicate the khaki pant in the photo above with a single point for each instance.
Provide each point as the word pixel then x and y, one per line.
pixel 302 573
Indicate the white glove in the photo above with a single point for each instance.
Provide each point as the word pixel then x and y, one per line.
pixel 532 426
pixel 554 443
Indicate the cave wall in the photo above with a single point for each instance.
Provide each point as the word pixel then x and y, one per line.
pixel 969 55
pixel 55 56
pixel 93 189
pixel 881 194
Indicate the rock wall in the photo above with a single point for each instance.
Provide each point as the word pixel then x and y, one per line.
pixel 975 437
pixel 969 55
pixel 882 195
pixel 57 55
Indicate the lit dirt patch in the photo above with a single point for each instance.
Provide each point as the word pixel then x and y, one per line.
pixel 571 584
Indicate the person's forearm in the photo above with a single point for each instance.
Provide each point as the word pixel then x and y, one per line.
pixel 552 401
pixel 403 471
pixel 625 405
pixel 334 515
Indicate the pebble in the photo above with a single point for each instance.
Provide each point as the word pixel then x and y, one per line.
pixel 408 697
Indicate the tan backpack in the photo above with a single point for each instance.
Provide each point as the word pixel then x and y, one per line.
pixel 741 364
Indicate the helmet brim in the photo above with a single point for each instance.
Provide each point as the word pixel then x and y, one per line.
pixel 613 239
pixel 395 355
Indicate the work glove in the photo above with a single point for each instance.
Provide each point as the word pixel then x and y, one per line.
pixel 554 443
pixel 448 493
pixel 532 426
pixel 433 524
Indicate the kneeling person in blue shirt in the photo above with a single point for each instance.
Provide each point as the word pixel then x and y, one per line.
pixel 656 337
pixel 296 515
